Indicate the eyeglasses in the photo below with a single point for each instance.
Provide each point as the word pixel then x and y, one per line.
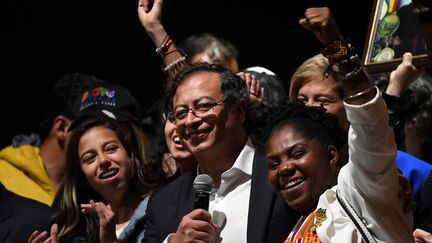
pixel 199 110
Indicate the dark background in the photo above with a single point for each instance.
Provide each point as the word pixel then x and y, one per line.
pixel 42 40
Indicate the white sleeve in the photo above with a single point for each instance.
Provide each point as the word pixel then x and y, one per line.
pixel 371 169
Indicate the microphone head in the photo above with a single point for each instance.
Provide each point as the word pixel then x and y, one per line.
pixel 203 183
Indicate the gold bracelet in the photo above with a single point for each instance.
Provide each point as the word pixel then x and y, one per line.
pixel 337 51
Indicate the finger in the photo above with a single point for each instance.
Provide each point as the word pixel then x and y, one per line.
pixel 241 74
pixel 146 5
pixel 100 208
pixel 96 207
pixel 253 85
pixel 85 208
pixel 156 5
pixel 40 237
pixel 200 214
pixel 54 233
pixel 108 213
pixel 304 24
pixel 422 236
pixel 407 57
pixel 403 181
pixel 393 75
pixel 248 80
pixel 257 85
pixel 199 236
pixel 33 235
pixel 104 212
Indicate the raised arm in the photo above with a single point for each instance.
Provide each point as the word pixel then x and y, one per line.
pixel 370 179
pixel 150 14
pixel 344 63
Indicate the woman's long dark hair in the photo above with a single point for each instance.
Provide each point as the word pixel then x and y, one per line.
pixel 76 190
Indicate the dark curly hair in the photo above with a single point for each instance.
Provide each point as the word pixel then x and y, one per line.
pixel 309 121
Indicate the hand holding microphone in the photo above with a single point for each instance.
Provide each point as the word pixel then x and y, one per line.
pixel 197 225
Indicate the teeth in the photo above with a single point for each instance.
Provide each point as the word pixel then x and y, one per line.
pixel 293 183
pixel 108 174
pixel 177 140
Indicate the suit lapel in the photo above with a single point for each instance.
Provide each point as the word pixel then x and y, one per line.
pixel 187 195
pixel 261 200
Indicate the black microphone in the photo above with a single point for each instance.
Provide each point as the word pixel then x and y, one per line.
pixel 203 185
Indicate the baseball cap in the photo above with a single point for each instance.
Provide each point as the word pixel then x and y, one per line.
pixel 106 100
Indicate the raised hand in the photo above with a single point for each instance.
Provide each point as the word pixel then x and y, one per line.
pixel 107 220
pixel 256 91
pixel 405 193
pixel 42 237
pixel 150 14
pixel 321 22
pixel 403 76
pixel 421 236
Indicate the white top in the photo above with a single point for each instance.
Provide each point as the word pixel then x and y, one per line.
pixel 122 227
pixel 369 181
pixel 232 197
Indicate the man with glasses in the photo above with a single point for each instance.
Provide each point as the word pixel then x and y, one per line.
pixel 208 104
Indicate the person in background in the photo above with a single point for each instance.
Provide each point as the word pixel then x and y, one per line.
pixel 109 173
pixel 306 170
pixel 418 132
pixel 34 166
pixel 311 86
pixel 14 209
pixel 274 96
pixel 207 47
pixel 423 232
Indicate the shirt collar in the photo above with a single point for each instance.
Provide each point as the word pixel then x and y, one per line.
pixel 243 161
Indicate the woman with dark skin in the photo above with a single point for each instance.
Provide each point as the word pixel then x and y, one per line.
pixel 306 170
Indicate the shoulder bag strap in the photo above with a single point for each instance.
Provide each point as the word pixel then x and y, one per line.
pixel 364 231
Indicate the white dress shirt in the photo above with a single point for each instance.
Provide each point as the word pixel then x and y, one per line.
pixel 232 197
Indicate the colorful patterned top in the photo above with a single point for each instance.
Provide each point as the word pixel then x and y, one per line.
pixel 304 231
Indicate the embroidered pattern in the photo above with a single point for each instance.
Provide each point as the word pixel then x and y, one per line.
pixel 304 231
pixel 98 95
pixel 320 216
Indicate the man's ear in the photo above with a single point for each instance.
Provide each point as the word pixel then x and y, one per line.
pixel 334 159
pixel 61 126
